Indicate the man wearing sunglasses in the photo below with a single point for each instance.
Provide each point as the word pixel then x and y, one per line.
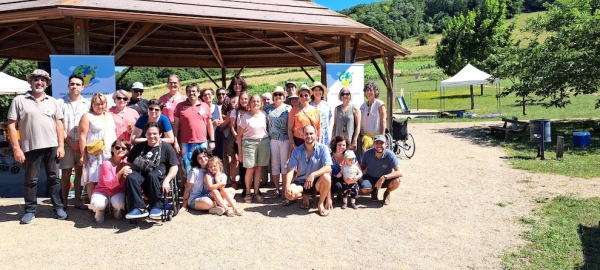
pixel 137 102
pixel 41 141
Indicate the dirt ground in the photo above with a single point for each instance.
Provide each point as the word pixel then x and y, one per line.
pixel 444 216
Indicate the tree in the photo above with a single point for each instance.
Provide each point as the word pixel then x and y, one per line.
pixel 566 62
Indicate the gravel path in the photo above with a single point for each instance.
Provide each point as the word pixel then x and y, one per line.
pixel 446 215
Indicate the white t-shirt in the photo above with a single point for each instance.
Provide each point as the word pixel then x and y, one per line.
pixel 370 122
pixel 255 126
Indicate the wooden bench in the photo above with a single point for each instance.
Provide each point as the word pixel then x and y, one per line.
pixel 519 131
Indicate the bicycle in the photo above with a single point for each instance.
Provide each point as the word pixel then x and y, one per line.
pixel 400 141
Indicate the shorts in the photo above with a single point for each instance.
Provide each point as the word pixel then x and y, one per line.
pixel 186 153
pixel 71 159
pixel 230 146
pixel 368 182
pixel 192 200
pixel 256 152
pixel 298 141
pixel 311 191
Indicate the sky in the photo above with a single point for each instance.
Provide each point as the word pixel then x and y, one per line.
pixel 337 5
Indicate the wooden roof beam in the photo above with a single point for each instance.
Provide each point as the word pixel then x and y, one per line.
pixel 216 53
pixel 11 32
pixel 354 52
pixel 45 37
pixel 209 77
pixel 274 44
pixel 5 64
pixel 140 35
pixel 123 35
pixel 302 42
pixel 62 34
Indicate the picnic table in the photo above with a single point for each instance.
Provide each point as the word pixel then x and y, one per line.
pixel 516 129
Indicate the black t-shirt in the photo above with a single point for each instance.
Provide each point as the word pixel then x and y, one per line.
pixel 168 157
pixel 141 106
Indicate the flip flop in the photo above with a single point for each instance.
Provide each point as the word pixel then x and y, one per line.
pixel 287 202
pixel 82 207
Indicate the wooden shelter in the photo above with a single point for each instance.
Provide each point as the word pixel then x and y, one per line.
pixel 222 34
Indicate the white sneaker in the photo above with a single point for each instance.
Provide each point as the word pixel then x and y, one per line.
pixel 217 210
pixel 99 216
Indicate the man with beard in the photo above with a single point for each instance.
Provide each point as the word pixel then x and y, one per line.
pixel 312 162
pixel 381 169
pixel 41 141
pixel 73 107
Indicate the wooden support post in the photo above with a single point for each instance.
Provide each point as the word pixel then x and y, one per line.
pixel 389 72
pixel 560 147
pixel 5 64
pixel 345 50
pixel 472 98
pixel 81 36
pixel 481 90
pixel 209 77
pixel 224 77
pixel 307 75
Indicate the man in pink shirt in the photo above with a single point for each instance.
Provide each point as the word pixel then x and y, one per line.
pixel 193 125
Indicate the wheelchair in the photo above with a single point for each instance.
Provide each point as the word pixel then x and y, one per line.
pixel 399 140
pixel 171 202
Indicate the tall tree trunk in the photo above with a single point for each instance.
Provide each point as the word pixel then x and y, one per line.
pixel 482 90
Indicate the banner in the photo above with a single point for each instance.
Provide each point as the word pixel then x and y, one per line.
pixel 98 74
pixel 341 75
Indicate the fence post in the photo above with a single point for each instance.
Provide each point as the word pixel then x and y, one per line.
pixel 417 104
pixel 560 147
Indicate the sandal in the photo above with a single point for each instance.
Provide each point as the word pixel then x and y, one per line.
pixel 259 198
pixel 82 207
pixel 287 202
pixel 248 199
pixel 238 213
pixel 323 213
pixel 277 195
pixel 229 213
pixel 305 206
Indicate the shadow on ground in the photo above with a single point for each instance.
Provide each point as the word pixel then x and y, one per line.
pixel 590 242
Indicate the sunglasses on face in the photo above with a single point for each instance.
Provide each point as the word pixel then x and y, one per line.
pixel 221 94
pixel 345 94
pixel 119 148
pixel 138 90
pixel 35 79
pixel 278 95
pixel 304 96
pixel 173 82
pixel 154 109
pixel 122 98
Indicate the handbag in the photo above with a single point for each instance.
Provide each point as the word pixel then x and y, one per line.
pixel 96 147
pixel 144 165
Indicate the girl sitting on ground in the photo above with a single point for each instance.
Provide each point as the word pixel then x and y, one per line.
pixel 216 180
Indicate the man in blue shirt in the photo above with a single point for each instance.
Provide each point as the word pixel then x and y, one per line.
pixel 312 162
pixel 381 169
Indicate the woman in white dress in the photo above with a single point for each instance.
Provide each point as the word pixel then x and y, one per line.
pixel 95 125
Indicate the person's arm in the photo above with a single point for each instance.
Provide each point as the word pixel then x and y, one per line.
pixel 12 133
pixel 191 177
pixel 383 117
pixel 169 137
pixel 107 172
pixel 136 136
pixel 357 119
pixel 211 135
pixel 60 134
pixel 290 127
pixel 225 124
pixel 170 175
pixel 84 126
pixel 335 120
pixel 209 183
pixel 176 127
pixel 238 138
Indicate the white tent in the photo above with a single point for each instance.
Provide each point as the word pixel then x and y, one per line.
pixel 469 75
pixel 11 85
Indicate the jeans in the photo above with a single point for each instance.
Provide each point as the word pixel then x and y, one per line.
pixel 33 161
pixel 150 183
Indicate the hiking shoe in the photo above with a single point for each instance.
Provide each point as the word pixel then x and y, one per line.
pixel 217 210
pixel 99 216
pixel 354 206
pixel 344 206
pixel 27 218
pixel 60 213
pixel 155 213
pixel 137 213
pixel 374 195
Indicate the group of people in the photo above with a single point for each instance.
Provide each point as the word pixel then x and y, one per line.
pixel 204 142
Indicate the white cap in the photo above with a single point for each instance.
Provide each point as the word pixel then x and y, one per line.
pixel 137 85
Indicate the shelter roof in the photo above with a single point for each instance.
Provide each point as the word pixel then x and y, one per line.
pixel 191 33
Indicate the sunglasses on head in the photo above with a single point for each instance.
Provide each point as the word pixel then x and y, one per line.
pixel 118 148
pixel 138 90
pixel 123 98
pixel 154 109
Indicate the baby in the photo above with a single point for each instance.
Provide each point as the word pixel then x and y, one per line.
pixel 352 174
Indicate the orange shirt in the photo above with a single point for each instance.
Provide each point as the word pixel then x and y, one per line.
pixel 301 120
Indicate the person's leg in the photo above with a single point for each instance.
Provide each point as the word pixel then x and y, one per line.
pixel 202 204
pixel 133 193
pixel 248 181
pixel 33 161
pixel 89 188
pixel 153 188
pixel 65 185
pixel 51 168
pixel 99 202
pixel 323 186
pixel 296 191
pixel 275 164
pixel 337 186
pixel 215 195
pixel 77 184
pixel 365 185
pixel 225 194
pixel 118 204
pixel 391 185
pixel 257 179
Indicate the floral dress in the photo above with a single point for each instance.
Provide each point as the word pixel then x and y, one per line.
pixel 96 132
pixel 326 116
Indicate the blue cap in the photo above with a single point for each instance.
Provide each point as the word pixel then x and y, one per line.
pixel 379 138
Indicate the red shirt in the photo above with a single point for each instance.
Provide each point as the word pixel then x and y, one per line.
pixel 193 122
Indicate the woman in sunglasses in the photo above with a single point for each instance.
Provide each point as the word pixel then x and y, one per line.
pixel 155 107
pixel 302 116
pixel 123 116
pixel 346 118
pixel 277 115
pixel 111 183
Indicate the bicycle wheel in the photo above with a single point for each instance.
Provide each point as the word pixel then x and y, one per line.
pixel 409 146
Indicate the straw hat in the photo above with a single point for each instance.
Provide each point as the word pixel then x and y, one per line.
pixel 40 73
pixel 279 89
pixel 320 85
pixel 304 87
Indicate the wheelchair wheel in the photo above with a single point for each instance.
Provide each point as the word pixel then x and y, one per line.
pixel 3 168
pixel 15 169
pixel 409 146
